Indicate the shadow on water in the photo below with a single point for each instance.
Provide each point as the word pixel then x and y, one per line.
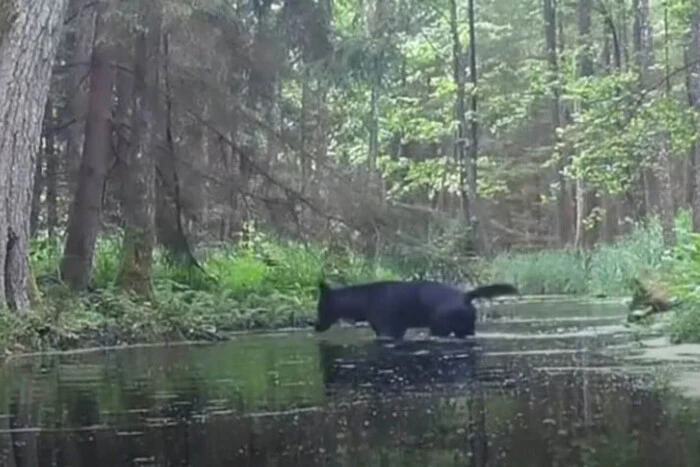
pixel 537 388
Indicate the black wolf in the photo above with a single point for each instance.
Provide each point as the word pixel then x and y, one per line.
pixel 392 307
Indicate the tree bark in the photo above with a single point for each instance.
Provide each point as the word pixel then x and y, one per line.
pixel 51 175
pixel 563 220
pixel 84 27
pixel 169 228
pixel 477 221
pixel 84 219
pixel 38 187
pixel 29 39
pixel 663 164
pixel 138 193
pixel 458 75
pixel 584 196
pixel 693 83
pixel 642 47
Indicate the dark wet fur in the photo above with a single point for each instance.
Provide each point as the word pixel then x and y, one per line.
pixel 392 307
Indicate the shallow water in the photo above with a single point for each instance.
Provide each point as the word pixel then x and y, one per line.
pixel 546 384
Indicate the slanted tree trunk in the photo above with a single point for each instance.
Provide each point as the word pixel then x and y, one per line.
pixel 693 83
pixel 84 219
pixel 30 31
pixel 138 193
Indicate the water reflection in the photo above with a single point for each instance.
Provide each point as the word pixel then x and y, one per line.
pixel 409 366
pixel 297 400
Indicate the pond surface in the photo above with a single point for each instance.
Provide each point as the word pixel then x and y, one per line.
pixel 543 384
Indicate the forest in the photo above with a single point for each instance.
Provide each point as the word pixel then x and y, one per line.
pixel 179 169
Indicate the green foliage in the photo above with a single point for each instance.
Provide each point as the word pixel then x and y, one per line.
pixel 682 271
pixel 607 269
pixel 544 272
pixel 259 282
pixel 446 256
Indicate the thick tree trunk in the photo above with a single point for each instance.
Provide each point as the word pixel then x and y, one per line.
pixel 84 220
pixel 138 194
pixel 28 43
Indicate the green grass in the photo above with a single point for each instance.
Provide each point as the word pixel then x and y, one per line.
pixel 607 269
pixel 259 283
pixel 264 282
pixel 682 272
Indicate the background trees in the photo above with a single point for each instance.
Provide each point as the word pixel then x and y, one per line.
pixel 361 122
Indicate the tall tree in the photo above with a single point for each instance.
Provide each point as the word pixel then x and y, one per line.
pixel 82 32
pixel 460 107
pixel 478 221
pixel 693 83
pixel 29 36
pixel 584 195
pixel 563 221
pixel 84 219
pixel 663 163
pixel 138 185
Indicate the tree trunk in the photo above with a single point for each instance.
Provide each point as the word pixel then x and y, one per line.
pixel 51 175
pixel 138 193
pixel 563 221
pixel 642 47
pixel 84 219
pixel 38 183
pixel 608 200
pixel 459 77
pixel 693 83
pixel 665 191
pixel 373 141
pixel 169 229
pixel 663 165
pixel 84 25
pixel 478 222
pixel 29 39
pixel 585 196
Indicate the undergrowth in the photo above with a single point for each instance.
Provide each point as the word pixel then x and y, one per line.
pixel 261 282
pixel 608 269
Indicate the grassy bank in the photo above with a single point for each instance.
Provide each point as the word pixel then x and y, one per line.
pixel 605 270
pixel 265 283
pixel 260 283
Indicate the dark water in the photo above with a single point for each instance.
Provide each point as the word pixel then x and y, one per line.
pixel 545 389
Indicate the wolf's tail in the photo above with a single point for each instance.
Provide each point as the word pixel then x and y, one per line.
pixel 490 291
